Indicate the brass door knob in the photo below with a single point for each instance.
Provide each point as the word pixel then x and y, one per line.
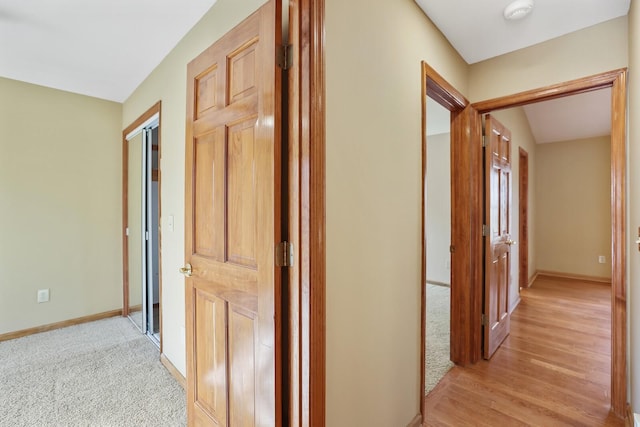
pixel 186 270
pixel 510 242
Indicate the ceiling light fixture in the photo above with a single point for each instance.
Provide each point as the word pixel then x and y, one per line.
pixel 518 9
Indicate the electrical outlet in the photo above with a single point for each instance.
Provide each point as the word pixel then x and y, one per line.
pixel 602 259
pixel 43 295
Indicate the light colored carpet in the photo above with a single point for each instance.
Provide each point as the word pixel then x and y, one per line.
pixel 104 374
pixel 136 318
pixel 437 362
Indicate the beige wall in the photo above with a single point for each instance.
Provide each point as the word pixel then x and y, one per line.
pixel 374 204
pixel 438 225
pixel 168 83
pixel 573 197
pixel 593 50
pixel 633 289
pixel 60 186
pixel 516 121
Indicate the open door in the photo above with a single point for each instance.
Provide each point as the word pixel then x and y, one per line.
pixel 497 235
pixel 233 224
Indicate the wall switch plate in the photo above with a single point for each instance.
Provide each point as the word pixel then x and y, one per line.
pixel 602 259
pixel 43 295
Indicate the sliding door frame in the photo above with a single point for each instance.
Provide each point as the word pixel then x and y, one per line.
pixel 147 115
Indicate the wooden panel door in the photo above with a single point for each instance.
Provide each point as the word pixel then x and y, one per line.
pixel 233 214
pixel 498 234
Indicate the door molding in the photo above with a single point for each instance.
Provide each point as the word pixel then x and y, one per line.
pixel 466 216
pixel 306 299
pixel 617 81
pixel 523 219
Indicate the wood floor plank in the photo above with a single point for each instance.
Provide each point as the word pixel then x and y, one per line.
pixel 552 370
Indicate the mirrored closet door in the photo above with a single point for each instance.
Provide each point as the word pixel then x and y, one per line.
pixel 142 279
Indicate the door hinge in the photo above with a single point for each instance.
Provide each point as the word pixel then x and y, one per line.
pixel 146 235
pixel 484 320
pixel 452 249
pixel 126 231
pixel 484 141
pixel 484 230
pixel 284 254
pixel 285 56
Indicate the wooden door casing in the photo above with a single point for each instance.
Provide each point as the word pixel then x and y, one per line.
pixel 523 219
pixel 306 178
pixel 498 234
pixel 232 225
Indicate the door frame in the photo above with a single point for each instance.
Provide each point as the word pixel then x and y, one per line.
pixel 153 110
pixel 523 218
pixel 306 169
pixel 617 81
pixel 463 188
pixel 466 204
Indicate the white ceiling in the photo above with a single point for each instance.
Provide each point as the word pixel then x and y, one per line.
pixel 106 48
pixel 101 48
pixel 478 30
pixel 575 117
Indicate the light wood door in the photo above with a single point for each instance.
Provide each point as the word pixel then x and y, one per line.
pixel 233 223
pixel 498 234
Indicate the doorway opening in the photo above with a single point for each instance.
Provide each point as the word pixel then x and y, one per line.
pixel 616 80
pixel 438 241
pixel 437 91
pixel 467 213
pixel 141 219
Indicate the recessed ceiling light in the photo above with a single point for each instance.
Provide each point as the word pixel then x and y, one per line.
pixel 518 9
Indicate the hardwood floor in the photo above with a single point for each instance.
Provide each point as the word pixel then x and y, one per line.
pixel 552 370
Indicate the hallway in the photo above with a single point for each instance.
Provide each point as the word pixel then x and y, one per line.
pixel 552 370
